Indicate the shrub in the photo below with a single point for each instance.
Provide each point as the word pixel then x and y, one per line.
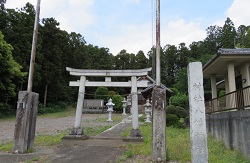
pixel 52 108
pixel 171 120
pixel 170 109
pixel 6 110
pixel 177 110
pixel 179 100
pixel 101 93
pixel 117 100
pixel 180 112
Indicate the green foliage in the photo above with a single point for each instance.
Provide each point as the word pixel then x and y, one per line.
pixel 172 119
pixel 179 100
pixel 6 110
pixel 10 72
pixel 178 147
pixel 52 108
pixel 117 100
pixel 222 93
pixel 111 94
pixel 175 91
pixel 48 140
pixel 6 147
pixel 174 115
pixel 101 93
pixel 181 112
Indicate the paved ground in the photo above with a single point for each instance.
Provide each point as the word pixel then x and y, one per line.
pixel 103 148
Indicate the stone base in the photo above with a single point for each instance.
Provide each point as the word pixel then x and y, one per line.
pixel 75 137
pixel 135 133
pixel 76 131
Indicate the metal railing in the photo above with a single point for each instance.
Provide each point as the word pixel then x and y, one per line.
pixel 239 99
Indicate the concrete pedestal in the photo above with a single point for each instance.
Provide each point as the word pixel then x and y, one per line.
pixel 25 126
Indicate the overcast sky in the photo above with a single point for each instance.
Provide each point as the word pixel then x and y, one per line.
pixel 127 24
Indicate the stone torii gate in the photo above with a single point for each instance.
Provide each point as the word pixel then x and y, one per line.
pixel 83 82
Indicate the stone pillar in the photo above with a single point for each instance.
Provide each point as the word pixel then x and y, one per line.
pixel 246 82
pixel 231 84
pixel 159 125
pixel 33 115
pixel 245 75
pixel 135 132
pixel 214 93
pixel 227 91
pixel 77 130
pixel 25 126
pixel 231 77
pixel 198 134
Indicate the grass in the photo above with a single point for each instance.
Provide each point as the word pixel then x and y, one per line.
pixel 95 131
pixel 178 147
pixel 67 112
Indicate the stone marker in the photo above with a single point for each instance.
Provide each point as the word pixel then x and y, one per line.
pixel 25 126
pixel 198 135
pixel 159 125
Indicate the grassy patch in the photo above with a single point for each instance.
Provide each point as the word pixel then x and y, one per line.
pixel 67 112
pixel 6 147
pixel 48 140
pixel 95 131
pixel 178 147
pixel 115 117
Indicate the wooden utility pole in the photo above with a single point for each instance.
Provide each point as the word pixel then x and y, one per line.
pixel 33 50
pixel 26 112
pixel 158 44
pixel 158 103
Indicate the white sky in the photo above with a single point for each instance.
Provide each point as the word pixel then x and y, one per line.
pixel 127 24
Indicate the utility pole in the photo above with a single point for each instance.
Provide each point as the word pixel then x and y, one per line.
pixel 27 104
pixel 158 44
pixel 33 50
pixel 158 103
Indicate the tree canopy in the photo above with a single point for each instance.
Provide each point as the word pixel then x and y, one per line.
pixel 57 49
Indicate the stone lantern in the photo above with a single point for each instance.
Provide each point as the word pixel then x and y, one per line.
pixel 129 103
pixel 124 104
pixel 110 109
pixel 148 110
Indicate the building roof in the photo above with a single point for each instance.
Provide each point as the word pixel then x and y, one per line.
pixel 147 91
pixel 217 65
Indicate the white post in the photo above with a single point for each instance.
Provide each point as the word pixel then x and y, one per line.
pixel 198 134
pixel 78 119
pixel 214 93
pixel 135 124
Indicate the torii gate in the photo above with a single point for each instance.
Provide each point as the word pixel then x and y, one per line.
pixel 83 73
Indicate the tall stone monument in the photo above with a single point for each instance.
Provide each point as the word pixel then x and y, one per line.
pixel 198 133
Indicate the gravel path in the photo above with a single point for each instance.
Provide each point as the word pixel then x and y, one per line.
pixel 50 125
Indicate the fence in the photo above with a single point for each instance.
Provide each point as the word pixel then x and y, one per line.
pixel 239 99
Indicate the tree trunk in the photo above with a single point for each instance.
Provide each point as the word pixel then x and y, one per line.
pixel 45 95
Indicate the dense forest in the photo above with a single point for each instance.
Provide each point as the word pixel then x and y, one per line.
pixel 58 49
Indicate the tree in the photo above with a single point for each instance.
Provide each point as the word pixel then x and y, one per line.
pixel 141 60
pixel 212 42
pixel 10 71
pixel 228 34
pixel 101 93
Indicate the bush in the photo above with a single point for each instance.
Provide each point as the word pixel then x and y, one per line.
pixel 101 93
pixel 170 109
pixel 172 120
pixel 6 110
pixel 177 110
pixel 181 112
pixel 52 108
pixel 117 100
pixel 179 100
